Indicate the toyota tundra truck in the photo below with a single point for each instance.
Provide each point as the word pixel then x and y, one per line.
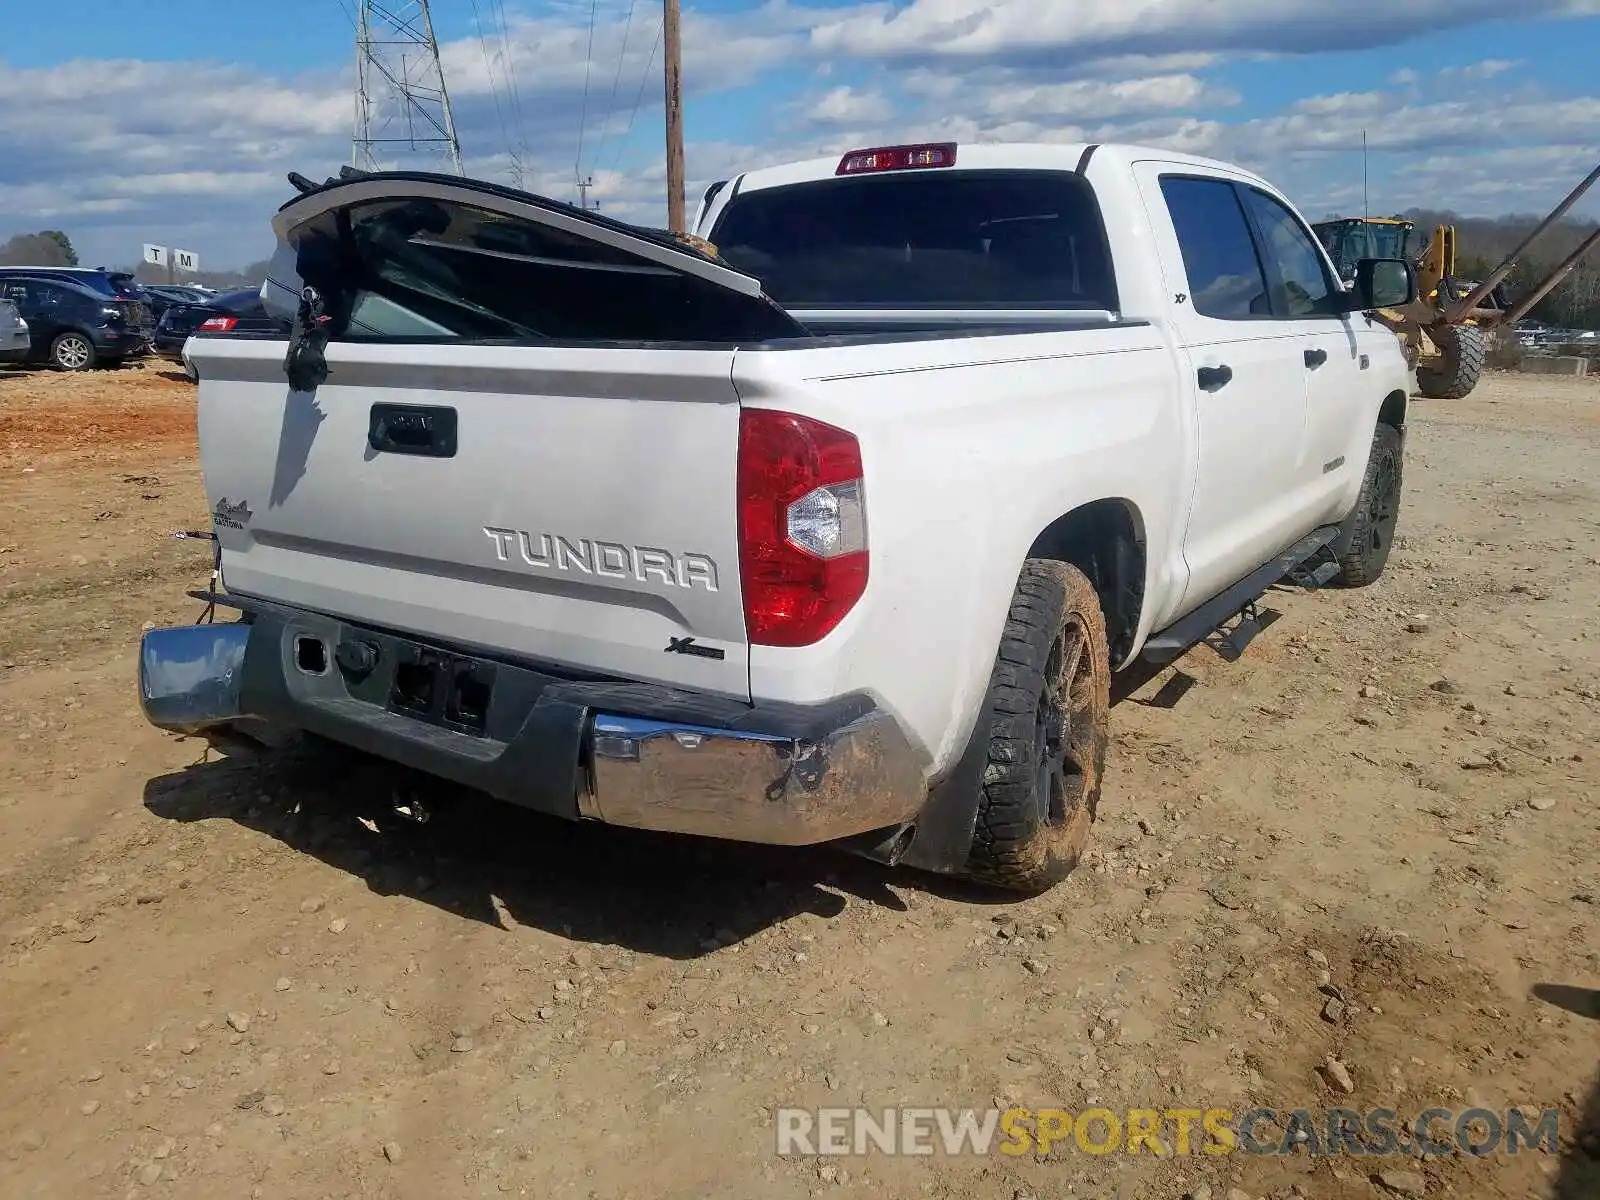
pixel 828 523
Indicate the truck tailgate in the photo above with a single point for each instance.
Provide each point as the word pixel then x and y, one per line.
pixel 571 506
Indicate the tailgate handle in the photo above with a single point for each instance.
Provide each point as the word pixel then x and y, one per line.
pixel 425 430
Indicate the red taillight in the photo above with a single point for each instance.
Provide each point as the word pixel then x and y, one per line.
pixel 217 324
pixel 898 158
pixel 802 527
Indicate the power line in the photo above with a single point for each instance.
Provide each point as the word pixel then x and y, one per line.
pixel 583 113
pixel 611 104
pixel 510 68
pixel 494 90
pixel 622 143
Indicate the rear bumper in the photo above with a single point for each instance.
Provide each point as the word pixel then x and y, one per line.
pixel 626 754
pixel 120 344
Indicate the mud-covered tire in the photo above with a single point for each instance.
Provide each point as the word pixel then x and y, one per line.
pixel 1460 362
pixel 1367 534
pixel 1048 720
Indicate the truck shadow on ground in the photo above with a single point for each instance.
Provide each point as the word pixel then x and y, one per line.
pixel 1579 1177
pixel 487 861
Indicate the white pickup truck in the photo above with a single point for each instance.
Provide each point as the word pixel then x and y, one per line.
pixel 834 530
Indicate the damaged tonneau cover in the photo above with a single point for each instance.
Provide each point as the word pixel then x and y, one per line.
pixel 375 184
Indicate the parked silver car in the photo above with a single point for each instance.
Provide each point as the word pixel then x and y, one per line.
pixel 14 339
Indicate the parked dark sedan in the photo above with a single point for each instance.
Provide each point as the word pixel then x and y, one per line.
pixel 230 313
pixel 75 327
pixel 162 296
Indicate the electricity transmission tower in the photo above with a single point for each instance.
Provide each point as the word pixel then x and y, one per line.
pixel 401 99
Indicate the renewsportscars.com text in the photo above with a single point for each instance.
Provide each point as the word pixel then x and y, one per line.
pixel 1169 1131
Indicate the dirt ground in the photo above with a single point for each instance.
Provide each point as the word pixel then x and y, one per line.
pixel 242 977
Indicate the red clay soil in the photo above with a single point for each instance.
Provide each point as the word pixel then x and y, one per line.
pixel 101 414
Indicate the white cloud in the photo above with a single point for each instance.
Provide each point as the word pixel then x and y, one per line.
pixel 1344 104
pixel 1480 71
pixel 1098 100
pixel 1478 122
pixel 848 106
pixel 934 29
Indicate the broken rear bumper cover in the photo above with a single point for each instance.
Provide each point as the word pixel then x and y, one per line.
pixel 637 755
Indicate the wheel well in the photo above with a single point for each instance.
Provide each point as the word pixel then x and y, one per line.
pixel 1393 412
pixel 1104 540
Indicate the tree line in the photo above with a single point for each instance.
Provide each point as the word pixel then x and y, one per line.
pixel 1482 242
pixel 47 248
pixel 227 280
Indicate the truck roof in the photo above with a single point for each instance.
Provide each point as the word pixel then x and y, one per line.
pixel 1039 156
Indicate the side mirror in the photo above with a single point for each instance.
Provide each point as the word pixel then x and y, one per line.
pixel 1382 283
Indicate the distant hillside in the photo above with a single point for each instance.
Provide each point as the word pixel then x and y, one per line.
pixel 241 277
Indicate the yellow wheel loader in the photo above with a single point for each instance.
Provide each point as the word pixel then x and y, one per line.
pixel 1445 329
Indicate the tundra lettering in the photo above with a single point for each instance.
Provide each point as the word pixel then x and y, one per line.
pixel 609 560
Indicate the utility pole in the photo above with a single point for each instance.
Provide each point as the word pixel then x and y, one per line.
pixel 583 192
pixel 674 73
pixel 399 79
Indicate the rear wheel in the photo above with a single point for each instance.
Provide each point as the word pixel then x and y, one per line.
pixel 1048 719
pixel 72 351
pixel 1455 372
pixel 1367 534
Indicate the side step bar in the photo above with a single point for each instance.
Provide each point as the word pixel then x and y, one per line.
pixel 1176 639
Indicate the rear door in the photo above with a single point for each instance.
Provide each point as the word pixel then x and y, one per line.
pixel 38 302
pixel 527 439
pixel 1246 367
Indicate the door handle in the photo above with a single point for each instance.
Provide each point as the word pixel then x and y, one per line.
pixel 424 430
pixel 1315 358
pixel 1214 379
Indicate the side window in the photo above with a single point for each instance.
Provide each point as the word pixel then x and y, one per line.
pixel 1219 255
pixel 66 303
pixel 1307 289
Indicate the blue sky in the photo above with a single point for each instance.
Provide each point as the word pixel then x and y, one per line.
pixel 175 120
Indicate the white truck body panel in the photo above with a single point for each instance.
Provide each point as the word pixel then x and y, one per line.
pixel 948 515
pixel 548 536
